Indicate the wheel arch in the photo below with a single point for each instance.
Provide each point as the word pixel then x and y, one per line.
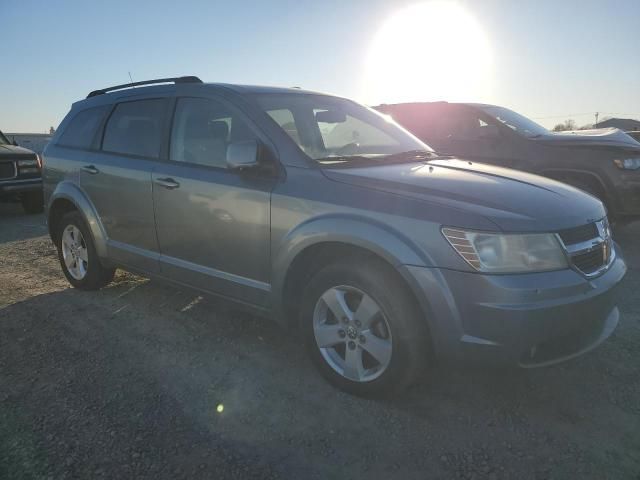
pixel 68 197
pixel 328 239
pixel 565 175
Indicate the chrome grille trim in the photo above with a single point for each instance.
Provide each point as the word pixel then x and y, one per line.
pixel 602 242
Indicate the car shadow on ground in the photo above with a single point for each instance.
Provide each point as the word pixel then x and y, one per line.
pixel 121 375
pixel 17 225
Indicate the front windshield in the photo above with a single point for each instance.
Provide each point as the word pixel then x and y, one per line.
pixel 515 121
pixel 3 140
pixel 335 130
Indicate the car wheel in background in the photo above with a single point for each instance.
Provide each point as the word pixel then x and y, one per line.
pixel 362 327
pixel 77 254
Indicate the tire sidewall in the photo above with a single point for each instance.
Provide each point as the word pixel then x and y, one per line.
pixel 95 271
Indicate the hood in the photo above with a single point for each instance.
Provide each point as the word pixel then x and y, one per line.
pixel 601 137
pixel 514 201
pixel 14 151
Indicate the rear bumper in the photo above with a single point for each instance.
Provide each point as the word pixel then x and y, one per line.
pixel 13 187
pixel 526 320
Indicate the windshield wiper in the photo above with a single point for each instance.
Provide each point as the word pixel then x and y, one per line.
pixel 400 157
pixel 341 159
pixel 414 155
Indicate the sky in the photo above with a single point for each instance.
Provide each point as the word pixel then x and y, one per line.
pixel 547 59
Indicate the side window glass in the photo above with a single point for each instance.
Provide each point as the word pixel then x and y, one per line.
pixel 202 130
pixel 135 128
pixel 81 130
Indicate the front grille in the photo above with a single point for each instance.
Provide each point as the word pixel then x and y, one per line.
pixel 590 262
pixel 7 170
pixel 571 236
pixel 589 246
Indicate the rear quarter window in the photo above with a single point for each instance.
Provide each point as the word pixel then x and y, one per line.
pixel 135 128
pixel 82 128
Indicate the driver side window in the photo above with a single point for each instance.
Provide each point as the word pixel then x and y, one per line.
pixel 202 130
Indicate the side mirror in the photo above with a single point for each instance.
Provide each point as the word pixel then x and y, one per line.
pixel 242 155
pixel 14 143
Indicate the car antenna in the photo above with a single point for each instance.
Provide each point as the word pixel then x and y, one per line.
pixel 130 77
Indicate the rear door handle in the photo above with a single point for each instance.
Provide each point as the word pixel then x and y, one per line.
pixel 169 183
pixel 90 169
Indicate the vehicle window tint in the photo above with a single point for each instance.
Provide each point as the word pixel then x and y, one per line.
pixel 459 124
pixel 81 130
pixel 135 128
pixel 202 130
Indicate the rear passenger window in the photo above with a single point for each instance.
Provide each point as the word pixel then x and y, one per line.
pixel 81 130
pixel 202 130
pixel 135 128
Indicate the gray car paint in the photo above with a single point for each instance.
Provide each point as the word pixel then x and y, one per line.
pixel 236 234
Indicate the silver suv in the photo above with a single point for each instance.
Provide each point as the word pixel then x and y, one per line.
pixel 327 216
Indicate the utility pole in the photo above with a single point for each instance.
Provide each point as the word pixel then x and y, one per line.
pixel 596 125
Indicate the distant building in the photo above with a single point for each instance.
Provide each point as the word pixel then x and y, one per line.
pixel 32 141
pixel 626 124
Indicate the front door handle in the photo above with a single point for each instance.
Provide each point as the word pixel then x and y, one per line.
pixel 90 169
pixel 169 183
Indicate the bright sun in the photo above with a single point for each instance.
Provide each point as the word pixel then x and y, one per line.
pixel 428 51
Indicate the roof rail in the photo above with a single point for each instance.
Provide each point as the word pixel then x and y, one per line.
pixel 102 91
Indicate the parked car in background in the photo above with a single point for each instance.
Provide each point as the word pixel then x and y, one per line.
pixel 20 176
pixel 319 212
pixel 602 162
pixel 33 141
pixel 635 135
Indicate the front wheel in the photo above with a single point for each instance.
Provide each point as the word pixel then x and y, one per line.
pixel 77 254
pixel 362 328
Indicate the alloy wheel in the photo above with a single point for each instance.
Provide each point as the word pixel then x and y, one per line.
pixel 352 333
pixel 74 252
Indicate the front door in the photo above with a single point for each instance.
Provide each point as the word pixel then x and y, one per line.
pixel 466 133
pixel 213 224
pixel 118 181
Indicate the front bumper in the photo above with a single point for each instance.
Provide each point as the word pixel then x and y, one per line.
pixel 13 187
pixel 526 320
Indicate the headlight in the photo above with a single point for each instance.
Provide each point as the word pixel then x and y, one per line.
pixel 508 253
pixel 628 163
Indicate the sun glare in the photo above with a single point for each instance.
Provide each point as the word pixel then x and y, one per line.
pixel 428 51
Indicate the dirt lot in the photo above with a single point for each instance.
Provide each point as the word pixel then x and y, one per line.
pixel 126 383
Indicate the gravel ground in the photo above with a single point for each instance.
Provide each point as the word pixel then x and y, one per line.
pixel 127 383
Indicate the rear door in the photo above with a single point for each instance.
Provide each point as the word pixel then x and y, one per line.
pixel 117 179
pixel 213 223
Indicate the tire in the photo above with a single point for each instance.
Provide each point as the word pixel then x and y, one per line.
pixel 77 254
pixel 32 202
pixel 395 340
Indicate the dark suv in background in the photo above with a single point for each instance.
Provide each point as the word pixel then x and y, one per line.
pixel 20 176
pixel 604 162
pixel 322 214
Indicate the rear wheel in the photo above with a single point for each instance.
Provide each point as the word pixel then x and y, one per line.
pixel 77 254
pixel 362 328
pixel 32 202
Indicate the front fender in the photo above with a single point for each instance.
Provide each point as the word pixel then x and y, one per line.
pixel 366 233
pixel 71 192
